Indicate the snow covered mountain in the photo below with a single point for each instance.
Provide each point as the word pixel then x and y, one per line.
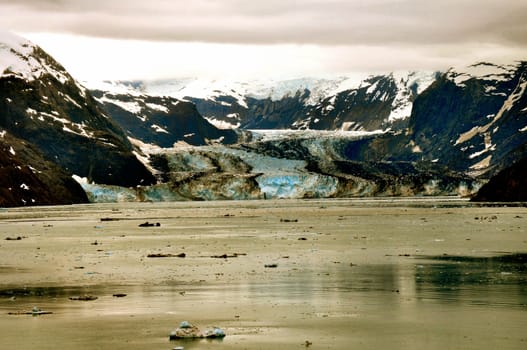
pixel 44 109
pixel 472 120
pixel 161 120
pixel 358 103
pixel 469 119
pixel 395 134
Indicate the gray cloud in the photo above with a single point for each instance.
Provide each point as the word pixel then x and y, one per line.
pixel 316 37
pixel 321 22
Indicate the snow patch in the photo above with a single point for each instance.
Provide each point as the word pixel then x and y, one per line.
pixel 159 129
pixel 71 100
pixel 372 88
pixel 31 111
pixel 221 124
pixel 409 84
pixel 233 116
pixel 157 107
pixel 481 71
pixel 132 107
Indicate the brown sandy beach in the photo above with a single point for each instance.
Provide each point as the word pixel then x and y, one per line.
pixel 324 274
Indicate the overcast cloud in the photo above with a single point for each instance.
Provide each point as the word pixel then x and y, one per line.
pixel 445 29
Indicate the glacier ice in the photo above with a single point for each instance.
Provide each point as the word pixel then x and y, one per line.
pixel 297 185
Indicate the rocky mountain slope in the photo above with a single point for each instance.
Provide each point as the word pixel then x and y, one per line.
pixel 509 185
pixel 27 178
pixel 161 120
pixel 43 107
pixel 474 122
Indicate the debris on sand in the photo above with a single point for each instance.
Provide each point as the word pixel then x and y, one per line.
pixel 148 224
pixel 271 266
pixel 35 312
pixel 110 219
pixel 189 331
pixel 18 238
pixel 486 218
pixel 119 295
pixel 163 255
pixel 85 297
pixel 288 220
pixel 225 256
pixel 214 332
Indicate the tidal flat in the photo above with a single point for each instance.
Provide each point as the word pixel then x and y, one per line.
pixel 420 273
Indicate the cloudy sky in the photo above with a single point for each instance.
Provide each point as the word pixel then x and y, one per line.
pixel 139 39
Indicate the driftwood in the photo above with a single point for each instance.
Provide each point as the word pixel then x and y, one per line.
pixel 84 298
pixel 35 313
pixel 148 224
pixel 225 256
pixel 162 255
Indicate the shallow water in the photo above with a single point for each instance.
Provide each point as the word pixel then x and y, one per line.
pixel 365 278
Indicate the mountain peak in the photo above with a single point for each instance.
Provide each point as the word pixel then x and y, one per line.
pixel 485 71
pixel 21 58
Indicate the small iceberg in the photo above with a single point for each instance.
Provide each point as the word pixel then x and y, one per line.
pixel 187 330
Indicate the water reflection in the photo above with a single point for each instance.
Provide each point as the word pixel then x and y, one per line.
pixel 495 280
pixel 407 293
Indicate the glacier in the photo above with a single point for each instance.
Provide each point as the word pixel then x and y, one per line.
pixel 304 164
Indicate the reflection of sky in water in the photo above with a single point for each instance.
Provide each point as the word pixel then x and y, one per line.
pixel 409 292
pixel 492 281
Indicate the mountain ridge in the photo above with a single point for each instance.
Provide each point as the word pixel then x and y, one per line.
pixel 412 133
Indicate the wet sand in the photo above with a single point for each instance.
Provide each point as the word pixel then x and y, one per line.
pixel 339 274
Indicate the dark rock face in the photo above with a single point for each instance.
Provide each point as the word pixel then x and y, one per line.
pixel 161 120
pixel 27 178
pixel 364 108
pixel 49 110
pixel 509 185
pixel 461 125
pixel 476 127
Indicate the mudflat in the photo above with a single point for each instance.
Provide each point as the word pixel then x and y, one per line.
pixel 426 273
